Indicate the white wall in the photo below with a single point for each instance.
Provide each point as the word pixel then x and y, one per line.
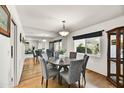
pixel 4 60
pixel 42 44
pixel 64 41
pixel 98 64
pixel 33 43
pixel 20 46
pixel 5 52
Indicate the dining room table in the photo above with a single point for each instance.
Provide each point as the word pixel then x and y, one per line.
pixel 61 63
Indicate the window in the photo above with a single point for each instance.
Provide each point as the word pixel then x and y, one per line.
pixel 57 46
pixel 93 46
pixel 79 46
pixel 88 43
pixel 89 46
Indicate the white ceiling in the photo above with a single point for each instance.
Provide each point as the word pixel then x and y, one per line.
pixel 44 21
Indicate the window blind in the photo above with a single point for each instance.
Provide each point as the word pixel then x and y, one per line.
pixel 88 35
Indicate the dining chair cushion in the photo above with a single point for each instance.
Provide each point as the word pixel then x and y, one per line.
pixel 52 72
pixel 49 66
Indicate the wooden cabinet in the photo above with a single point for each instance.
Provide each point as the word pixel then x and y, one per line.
pixel 115 58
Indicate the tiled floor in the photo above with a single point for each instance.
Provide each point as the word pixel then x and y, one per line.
pixel 31 78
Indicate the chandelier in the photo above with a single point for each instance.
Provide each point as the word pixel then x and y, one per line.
pixel 64 32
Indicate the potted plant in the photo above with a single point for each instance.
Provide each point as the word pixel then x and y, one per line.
pixel 62 53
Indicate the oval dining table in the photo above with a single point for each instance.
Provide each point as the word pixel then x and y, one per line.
pixel 61 63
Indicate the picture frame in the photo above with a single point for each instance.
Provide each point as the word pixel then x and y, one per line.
pixel 20 37
pixel 5 21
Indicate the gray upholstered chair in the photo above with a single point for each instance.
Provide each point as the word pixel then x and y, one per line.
pixel 49 53
pixel 47 73
pixel 85 60
pixel 56 55
pixel 73 74
pixel 72 55
pixel 37 52
pixel 45 57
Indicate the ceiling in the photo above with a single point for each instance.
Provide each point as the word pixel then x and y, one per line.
pixel 44 21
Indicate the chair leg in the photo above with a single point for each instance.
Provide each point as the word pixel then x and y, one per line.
pixel 84 80
pixel 46 83
pixel 79 83
pixel 42 80
pixel 34 60
pixel 37 61
pixel 69 85
pixel 60 80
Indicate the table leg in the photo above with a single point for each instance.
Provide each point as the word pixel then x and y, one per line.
pixel 59 78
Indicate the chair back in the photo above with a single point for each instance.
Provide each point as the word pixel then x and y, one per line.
pixel 49 53
pixel 37 53
pixel 85 60
pixel 73 55
pixel 75 70
pixel 34 54
pixel 56 55
pixel 43 67
pixel 45 57
pixel 40 52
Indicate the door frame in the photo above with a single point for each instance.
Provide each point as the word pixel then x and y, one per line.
pixel 14 45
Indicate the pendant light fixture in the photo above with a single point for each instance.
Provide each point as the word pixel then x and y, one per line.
pixel 64 32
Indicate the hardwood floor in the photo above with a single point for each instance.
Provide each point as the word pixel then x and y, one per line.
pixel 31 78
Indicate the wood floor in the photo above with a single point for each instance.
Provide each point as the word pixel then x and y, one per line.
pixel 31 78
